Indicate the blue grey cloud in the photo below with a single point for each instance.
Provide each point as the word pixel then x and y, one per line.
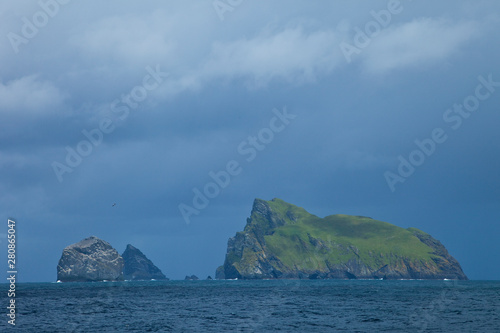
pixel 77 83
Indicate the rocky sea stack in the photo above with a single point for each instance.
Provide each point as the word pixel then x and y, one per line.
pixel 139 267
pixel 281 240
pixel 92 259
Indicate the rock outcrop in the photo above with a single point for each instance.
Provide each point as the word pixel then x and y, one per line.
pixel 138 267
pixel 191 278
pixel 92 259
pixel 281 240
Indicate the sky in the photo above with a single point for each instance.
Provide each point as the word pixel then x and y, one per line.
pixel 183 112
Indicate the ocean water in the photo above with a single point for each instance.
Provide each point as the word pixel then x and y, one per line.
pixel 257 306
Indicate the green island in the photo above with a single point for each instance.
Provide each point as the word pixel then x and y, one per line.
pixel 281 240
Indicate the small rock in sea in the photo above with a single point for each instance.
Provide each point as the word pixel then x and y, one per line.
pixel 91 259
pixel 138 267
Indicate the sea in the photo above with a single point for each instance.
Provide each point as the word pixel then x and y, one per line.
pixel 256 306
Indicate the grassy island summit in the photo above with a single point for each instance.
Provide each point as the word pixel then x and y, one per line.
pixel 283 241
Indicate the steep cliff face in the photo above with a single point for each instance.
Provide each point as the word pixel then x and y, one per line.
pixel 139 267
pixel 281 240
pixel 91 259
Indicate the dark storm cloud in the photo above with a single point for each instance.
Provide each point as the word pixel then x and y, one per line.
pixel 221 80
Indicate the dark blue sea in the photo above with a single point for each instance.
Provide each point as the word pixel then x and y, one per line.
pixel 257 306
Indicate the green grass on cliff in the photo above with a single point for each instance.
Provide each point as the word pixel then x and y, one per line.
pixel 307 241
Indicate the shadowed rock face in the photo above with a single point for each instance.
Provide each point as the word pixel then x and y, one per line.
pixel 281 240
pixel 92 259
pixel 139 267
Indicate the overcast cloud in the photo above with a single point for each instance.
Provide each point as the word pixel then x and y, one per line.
pixel 176 93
